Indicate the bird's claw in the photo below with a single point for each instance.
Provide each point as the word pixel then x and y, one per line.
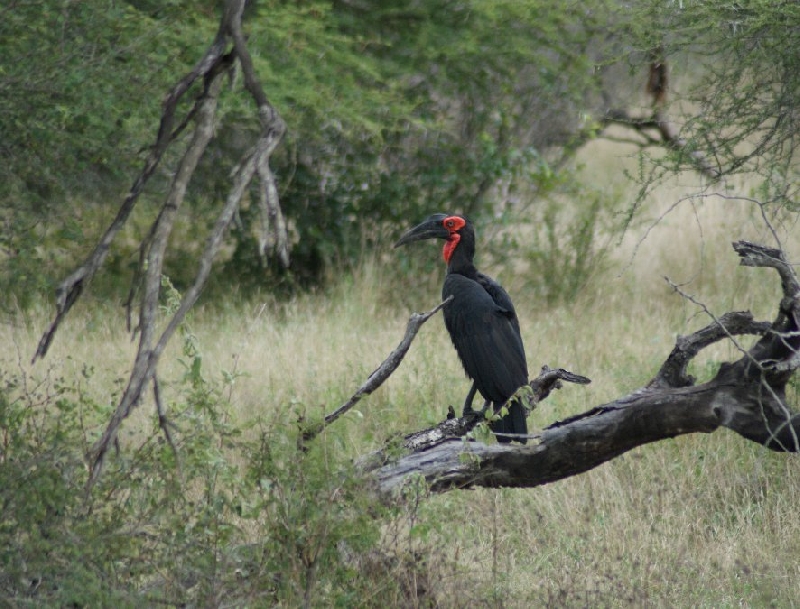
pixel 471 412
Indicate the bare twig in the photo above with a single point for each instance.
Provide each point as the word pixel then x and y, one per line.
pixel 669 136
pixel 389 365
pixel 163 421
pixel 708 333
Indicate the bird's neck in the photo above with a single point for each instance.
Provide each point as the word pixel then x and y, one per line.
pixel 459 257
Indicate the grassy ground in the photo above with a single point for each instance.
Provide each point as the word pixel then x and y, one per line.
pixel 701 521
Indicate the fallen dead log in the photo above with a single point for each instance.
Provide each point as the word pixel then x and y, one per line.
pixel 747 396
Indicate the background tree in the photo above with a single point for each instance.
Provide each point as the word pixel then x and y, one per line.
pixel 732 89
pixel 413 106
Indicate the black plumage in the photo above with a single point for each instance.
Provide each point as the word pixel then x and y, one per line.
pixel 481 322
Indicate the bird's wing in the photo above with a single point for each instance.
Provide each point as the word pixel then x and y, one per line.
pixel 486 337
pixel 500 297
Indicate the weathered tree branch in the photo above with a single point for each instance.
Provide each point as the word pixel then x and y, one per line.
pixel 144 366
pixel 148 277
pixel 746 396
pixel 453 428
pixel 380 374
pixel 673 371
pixel 274 235
pixel 68 292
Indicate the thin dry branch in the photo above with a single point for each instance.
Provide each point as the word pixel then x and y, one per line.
pixel 71 288
pixel 385 370
pixel 274 234
pixel 163 420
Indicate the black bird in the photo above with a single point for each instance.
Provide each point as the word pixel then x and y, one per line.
pixel 481 321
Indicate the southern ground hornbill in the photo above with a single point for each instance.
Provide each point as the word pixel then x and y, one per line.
pixel 482 323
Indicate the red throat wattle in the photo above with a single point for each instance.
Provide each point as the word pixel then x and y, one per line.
pixel 450 246
pixel 453 224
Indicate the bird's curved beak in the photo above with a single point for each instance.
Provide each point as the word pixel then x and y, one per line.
pixel 431 228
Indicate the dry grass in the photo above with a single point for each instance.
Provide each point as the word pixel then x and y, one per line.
pixel 702 521
pixel 698 521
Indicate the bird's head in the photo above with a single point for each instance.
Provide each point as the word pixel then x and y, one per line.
pixel 452 228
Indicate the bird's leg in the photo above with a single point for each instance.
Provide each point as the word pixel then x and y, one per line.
pixel 482 412
pixel 468 410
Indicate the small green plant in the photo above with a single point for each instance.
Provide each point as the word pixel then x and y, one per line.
pixel 566 248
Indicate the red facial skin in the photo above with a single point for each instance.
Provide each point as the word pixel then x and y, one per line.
pixel 453 224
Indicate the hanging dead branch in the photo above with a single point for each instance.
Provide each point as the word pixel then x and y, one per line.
pixel 206 78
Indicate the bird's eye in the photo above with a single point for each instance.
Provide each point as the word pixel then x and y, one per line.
pixel 449 224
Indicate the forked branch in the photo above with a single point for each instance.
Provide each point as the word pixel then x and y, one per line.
pixel 378 376
pixel 653 129
pixel 209 71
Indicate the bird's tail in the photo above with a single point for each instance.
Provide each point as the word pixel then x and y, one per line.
pixel 515 422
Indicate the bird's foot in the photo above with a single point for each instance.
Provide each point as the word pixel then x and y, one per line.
pixel 469 411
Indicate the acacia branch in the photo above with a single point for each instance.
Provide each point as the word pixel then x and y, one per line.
pixel 668 135
pixel 747 396
pixel 655 129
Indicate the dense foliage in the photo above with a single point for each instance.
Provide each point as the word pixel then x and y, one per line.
pixel 174 524
pixel 393 111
